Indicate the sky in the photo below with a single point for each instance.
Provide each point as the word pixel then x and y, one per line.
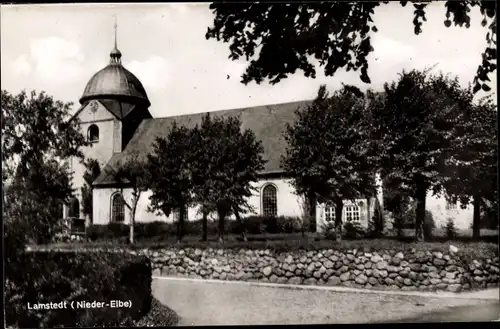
pixel 57 49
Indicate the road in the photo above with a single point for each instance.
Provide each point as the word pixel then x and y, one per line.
pixel 199 302
pixel 474 313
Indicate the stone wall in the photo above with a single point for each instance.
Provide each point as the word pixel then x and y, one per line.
pixel 413 270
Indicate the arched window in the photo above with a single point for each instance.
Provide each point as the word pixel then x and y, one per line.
pixel 74 208
pixel 117 208
pixel 269 201
pixel 93 134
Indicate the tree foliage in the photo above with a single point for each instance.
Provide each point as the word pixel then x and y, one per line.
pixel 470 174
pixel 330 152
pixel 228 160
pixel 134 174
pixel 35 128
pixel 414 120
pixel 171 166
pixel 92 171
pixel 279 39
pixel 36 138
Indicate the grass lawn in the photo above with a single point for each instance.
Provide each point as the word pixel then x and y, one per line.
pixel 311 241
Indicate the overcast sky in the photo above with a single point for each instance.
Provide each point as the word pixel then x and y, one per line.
pixel 57 48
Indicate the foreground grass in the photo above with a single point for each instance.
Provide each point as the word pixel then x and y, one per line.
pixel 294 242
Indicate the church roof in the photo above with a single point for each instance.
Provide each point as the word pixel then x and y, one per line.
pixel 115 81
pixel 268 122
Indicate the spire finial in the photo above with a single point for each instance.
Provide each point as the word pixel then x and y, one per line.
pixel 116 26
pixel 115 53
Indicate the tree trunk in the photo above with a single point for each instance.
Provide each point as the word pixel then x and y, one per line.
pixel 180 223
pixel 132 223
pixel 242 226
pixel 339 205
pixel 420 213
pixel 204 235
pixel 370 219
pixel 312 212
pixel 476 217
pixel 221 226
pixel 222 212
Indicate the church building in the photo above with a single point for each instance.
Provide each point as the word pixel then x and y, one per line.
pixel 114 116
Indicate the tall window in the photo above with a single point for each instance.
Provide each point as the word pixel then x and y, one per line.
pixel 269 201
pixel 93 134
pixel 74 208
pixel 352 213
pixel 329 213
pixel 117 208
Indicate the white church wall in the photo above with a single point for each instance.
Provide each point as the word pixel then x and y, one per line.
pixel 365 212
pixel 288 202
pixel 102 150
pixel 441 211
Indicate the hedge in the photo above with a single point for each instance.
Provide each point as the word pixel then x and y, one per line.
pixel 252 224
pixel 44 277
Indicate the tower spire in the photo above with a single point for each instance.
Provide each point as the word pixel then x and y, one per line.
pixel 115 53
pixel 116 26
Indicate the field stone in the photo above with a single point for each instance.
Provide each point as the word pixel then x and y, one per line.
pixel 345 276
pixel 310 281
pixel 334 281
pixel 441 285
pixel 373 281
pixel 439 262
pixel 361 279
pixel 388 281
pixel 328 264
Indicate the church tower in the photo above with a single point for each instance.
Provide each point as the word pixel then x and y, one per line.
pixel 113 105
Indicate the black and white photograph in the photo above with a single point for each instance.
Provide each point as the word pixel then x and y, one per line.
pixel 249 163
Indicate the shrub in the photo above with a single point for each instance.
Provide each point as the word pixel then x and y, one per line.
pixel 353 230
pixel 43 277
pixel 281 224
pixel 451 231
pixel 328 231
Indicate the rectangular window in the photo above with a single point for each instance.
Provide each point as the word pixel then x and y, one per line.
pixel 352 213
pixel 451 205
pixel 329 213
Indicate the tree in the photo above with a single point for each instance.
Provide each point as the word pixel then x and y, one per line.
pixel 397 202
pixel 471 170
pixel 229 160
pixel 171 165
pixel 37 136
pixel 132 172
pixel 92 171
pixel 414 121
pixel 330 153
pixel 279 39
